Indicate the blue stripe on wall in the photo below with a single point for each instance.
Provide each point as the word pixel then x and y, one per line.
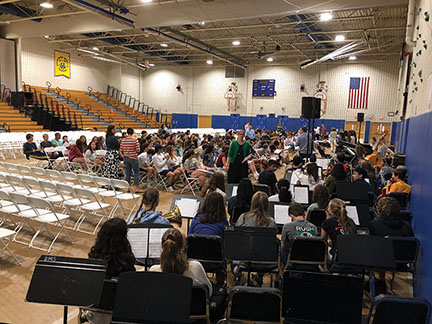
pixel 413 137
pixel 185 120
pixel 367 131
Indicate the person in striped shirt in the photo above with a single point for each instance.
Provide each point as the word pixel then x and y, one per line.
pixel 129 149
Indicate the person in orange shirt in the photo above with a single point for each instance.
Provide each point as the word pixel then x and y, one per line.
pixel 396 184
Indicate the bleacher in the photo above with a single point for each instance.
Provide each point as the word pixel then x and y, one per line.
pixel 12 120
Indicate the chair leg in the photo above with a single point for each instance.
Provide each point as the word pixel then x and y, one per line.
pixel 5 247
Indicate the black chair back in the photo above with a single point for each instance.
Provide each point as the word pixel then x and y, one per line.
pixel 352 191
pixel 405 249
pixel 200 305
pixel 399 310
pixel 406 216
pixel 254 244
pixel 333 298
pixel 402 198
pixel 317 217
pixel 309 251
pixel 254 305
pixel 237 211
pixel 262 187
pixel 143 297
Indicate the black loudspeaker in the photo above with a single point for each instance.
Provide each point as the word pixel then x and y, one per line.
pixel 360 117
pixel 311 108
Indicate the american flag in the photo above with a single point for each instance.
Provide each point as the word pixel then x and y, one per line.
pixel 358 93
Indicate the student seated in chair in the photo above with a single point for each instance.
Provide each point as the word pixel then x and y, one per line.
pixel 148 214
pixel 240 203
pixel 174 259
pixel 31 151
pixel 111 245
pixel 216 183
pixel 211 218
pixel 388 222
pixel 397 184
pixel 258 215
pixel 268 177
pixel 299 226
pixel 284 194
pixel 359 175
pixel 320 199
pixel 76 153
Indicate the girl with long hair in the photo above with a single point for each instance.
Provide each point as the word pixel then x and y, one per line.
pixel 75 153
pixel 258 215
pixel 112 245
pixel 313 177
pixel 216 183
pixel 90 155
pixel 320 199
pixel 174 260
pixel 211 218
pixel 337 174
pixel 147 209
pixel 240 203
pixel 337 222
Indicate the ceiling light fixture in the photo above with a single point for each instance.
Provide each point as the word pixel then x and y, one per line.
pixel 352 58
pixel 46 5
pixel 209 62
pixel 269 59
pixel 151 64
pixel 326 16
pixel 87 51
pixel 339 38
pixel 146 1
pixel 95 48
pixel 236 43
pixel 46 36
pixel 105 59
pixel 164 45
pixel 202 23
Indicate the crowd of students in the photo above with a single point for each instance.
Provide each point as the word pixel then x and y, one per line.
pixel 241 157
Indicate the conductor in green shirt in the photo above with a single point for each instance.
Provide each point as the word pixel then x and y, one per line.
pixel 239 149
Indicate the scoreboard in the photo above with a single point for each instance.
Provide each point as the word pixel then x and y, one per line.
pixel 263 88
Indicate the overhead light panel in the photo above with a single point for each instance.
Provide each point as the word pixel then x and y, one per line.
pixel 151 64
pixel 202 23
pixel 87 51
pixel 236 43
pixel 269 59
pixel 46 36
pixel 46 5
pixel 95 48
pixel 352 58
pixel 105 59
pixel 326 16
pixel 340 38
pixel 146 1
pixel 210 62
pixel 164 45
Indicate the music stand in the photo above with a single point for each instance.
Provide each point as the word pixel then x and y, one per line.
pixel 334 299
pixel 363 213
pixel 67 281
pixel 352 191
pixel 372 253
pixel 229 189
pixel 152 297
pixel 179 197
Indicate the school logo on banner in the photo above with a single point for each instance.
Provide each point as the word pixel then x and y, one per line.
pixel 62 64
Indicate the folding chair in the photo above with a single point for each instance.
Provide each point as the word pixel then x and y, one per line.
pixel 85 179
pixel 406 251
pixel 56 177
pixel 190 183
pixel 71 203
pixel 49 217
pixel 4 183
pixel 399 310
pixel 51 162
pixel 12 168
pixel 38 172
pixel 200 303
pixel 73 179
pixel 406 216
pixel 161 182
pixel 207 249
pixel 51 192
pixel 15 182
pixel 6 235
pixel 308 253
pixel 107 190
pixel 33 187
pixel 123 196
pixel 25 170
pixel 262 187
pixel 254 305
pixel 7 209
pixel 90 209
pixel 317 217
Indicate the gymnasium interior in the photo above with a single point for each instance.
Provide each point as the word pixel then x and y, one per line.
pixel 115 109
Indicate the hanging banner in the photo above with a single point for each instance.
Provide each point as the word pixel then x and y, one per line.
pixel 62 64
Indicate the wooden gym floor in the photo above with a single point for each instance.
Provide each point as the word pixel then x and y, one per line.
pixel 14 279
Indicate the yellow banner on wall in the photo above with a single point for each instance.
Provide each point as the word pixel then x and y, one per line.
pixel 62 64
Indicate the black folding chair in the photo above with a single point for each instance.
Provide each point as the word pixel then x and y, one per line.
pixel 399 310
pixel 308 254
pixel 256 247
pixel 200 304
pixel 254 305
pixel 406 216
pixel 143 297
pixel 262 187
pixel 406 251
pixel 402 198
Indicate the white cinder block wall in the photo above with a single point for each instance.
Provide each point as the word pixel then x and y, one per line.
pixel 203 88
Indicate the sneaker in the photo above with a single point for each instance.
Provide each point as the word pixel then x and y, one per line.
pixel 170 189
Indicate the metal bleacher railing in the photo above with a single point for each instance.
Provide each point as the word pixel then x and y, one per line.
pixel 138 107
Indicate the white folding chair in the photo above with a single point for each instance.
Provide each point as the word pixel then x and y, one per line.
pixel 190 183
pixel 52 194
pixel 24 170
pixel 71 203
pixel 56 177
pixel 33 187
pixel 11 168
pixel 92 209
pixel 73 178
pixel 5 239
pixel 85 179
pixel 7 208
pixel 38 172
pixel 161 182
pixel 50 217
pixel 123 196
pixel 107 190
pixel 15 182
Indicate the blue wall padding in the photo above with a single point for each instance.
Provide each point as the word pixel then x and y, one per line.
pixel 415 142
pixel 185 120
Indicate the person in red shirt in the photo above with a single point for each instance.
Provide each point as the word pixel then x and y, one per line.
pixel 129 149
pixel 75 153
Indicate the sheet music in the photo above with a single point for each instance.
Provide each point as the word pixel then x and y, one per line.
pixel 281 214
pixel 352 213
pixel 323 163
pixel 188 207
pixel 320 172
pixel 138 238
pixel 155 242
pixel 234 191
pixel 301 195
pixel 277 151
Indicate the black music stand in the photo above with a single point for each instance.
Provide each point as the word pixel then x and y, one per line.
pixel 229 189
pixel 67 281
pixel 152 297
pixel 372 253
pixel 188 217
pixel 352 191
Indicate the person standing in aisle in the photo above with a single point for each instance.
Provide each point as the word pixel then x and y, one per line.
pixel 238 151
